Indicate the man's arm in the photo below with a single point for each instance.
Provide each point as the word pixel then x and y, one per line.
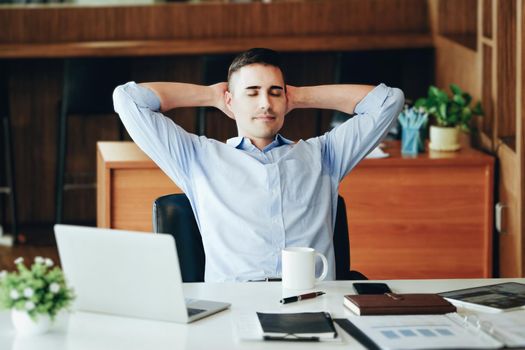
pixel 342 98
pixel 167 144
pixel 375 110
pixel 175 95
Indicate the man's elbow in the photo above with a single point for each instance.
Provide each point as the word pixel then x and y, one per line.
pixel 118 96
pixel 399 99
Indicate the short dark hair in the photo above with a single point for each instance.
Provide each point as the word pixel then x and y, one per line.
pixel 256 55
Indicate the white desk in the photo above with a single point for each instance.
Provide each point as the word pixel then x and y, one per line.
pixel 95 331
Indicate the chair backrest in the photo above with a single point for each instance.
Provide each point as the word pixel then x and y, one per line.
pixel 342 245
pixel 173 214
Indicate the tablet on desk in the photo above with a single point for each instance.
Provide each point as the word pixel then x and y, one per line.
pixel 493 298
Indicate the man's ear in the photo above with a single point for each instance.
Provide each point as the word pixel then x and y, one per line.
pixel 228 101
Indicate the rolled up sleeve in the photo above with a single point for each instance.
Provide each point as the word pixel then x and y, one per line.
pixel 346 145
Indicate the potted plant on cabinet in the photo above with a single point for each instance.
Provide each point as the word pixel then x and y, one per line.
pixel 452 114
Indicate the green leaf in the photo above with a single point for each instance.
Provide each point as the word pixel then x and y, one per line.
pixel 459 100
pixel 442 96
pixel 442 111
pixel 478 110
pixel 456 89
pixel 433 90
pixel 420 102
pixel 467 98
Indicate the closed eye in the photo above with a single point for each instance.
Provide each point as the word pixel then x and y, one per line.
pixel 276 91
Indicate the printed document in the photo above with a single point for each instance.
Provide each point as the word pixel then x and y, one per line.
pixel 448 331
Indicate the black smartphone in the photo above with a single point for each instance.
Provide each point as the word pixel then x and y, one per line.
pixel 371 288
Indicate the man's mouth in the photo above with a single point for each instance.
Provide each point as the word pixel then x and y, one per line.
pixel 265 117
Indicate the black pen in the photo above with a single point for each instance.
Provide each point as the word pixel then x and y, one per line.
pixel 301 297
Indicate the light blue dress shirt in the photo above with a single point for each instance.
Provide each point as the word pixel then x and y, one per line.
pixel 250 204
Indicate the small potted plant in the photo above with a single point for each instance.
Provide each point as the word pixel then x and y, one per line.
pixel 451 113
pixel 35 295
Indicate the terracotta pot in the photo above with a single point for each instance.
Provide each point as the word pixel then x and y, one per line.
pixel 444 138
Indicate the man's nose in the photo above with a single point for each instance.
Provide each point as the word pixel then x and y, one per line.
pixel 264 102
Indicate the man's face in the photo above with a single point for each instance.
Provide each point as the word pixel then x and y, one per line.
pixel 257 100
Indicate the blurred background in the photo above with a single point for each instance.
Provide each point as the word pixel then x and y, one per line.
pixel 60 61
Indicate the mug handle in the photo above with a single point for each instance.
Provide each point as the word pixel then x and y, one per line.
pixel 325 267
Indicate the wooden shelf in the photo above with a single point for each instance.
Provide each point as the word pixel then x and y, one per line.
pixel 509 141
pixel 487 41
pixel 216 45
pixel 218 27
pixel 468 41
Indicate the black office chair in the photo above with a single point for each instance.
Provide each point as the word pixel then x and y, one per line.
pixel 9 187
pixel 342 246
pixel 173 214
pixel 88 85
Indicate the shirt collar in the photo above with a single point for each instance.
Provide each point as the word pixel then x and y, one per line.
pixel 241 142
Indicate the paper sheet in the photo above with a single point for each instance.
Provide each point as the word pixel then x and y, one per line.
pixel 423 332
pixel 508 327
pixel 377 153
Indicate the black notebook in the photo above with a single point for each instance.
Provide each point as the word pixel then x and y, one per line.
pixel 303 326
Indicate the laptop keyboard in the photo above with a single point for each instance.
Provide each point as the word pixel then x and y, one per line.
pixel 193 311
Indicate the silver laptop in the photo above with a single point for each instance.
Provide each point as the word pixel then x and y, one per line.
pixel 127 273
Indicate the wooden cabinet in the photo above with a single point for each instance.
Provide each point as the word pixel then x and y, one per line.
pixel 424 217
pixel 127 184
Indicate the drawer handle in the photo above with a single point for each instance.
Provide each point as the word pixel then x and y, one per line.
pixel 499 218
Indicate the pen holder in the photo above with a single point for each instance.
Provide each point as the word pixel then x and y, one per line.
pixel 411 142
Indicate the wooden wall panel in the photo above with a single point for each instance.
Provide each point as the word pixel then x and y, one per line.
pixel 458 16
pixel 486 24
pixel 521 125
pixel 44 24
pixel 462 70
pixel 487 92
pixel 458 20
pixel 35 90
pixel 511 239
pixel 506 71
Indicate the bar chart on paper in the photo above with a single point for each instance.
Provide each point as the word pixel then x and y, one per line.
pixel 424 332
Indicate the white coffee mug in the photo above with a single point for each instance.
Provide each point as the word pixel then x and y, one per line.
pixel 299 268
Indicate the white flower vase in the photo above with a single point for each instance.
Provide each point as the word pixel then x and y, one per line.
pixel 26 326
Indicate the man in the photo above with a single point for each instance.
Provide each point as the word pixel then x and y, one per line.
pixel 259 192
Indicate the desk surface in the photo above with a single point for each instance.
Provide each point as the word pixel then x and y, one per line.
pixel 96 331
pixel 126 154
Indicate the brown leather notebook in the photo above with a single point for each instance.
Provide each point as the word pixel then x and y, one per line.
pixel 398 304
